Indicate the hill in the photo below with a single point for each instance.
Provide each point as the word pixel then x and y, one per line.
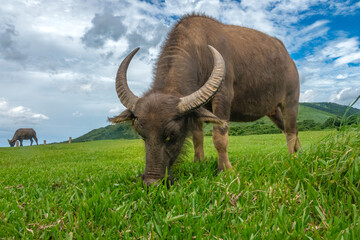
pixel 312 116
pixel 123 131
pixel 333 108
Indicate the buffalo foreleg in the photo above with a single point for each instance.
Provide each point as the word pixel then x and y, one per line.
pixel 31 141
pixel 220 107
pixel 36 140
pixel 220 139
pixel 21 142
pixel 198 140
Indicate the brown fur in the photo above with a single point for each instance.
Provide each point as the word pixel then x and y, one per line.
pixel 261 79
pixel 23 134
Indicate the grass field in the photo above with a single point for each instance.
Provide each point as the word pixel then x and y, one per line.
pixel 92 190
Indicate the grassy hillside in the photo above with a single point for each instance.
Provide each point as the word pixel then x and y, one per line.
pixel 333 108
pixel 308 112
pixel 124 131
pixel 312 116
pixel 92 190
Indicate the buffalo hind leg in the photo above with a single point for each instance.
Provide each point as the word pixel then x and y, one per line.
pixel 220 139
pixel 198 140
pixel 277 118
pixel 288 125
pixel 31 141
pixel 36 140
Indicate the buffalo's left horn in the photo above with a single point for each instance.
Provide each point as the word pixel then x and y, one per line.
pixel 127 98
pixel 208 90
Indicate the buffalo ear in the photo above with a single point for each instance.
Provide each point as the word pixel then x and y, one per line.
pixel 126 115
pixel 206 116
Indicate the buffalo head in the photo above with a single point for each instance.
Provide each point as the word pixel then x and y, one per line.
pixel 12 143
pixel 163 119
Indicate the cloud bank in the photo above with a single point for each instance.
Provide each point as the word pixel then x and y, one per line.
pixel 19 114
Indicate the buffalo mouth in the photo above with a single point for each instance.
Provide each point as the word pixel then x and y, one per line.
pixel 150 181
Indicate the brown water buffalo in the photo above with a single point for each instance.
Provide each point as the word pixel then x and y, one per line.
pixel 214 73
pixel 23 134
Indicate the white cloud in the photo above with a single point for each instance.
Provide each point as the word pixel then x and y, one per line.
pixel 342 76
pixel 3 104
pixel 346 95
pixel 116 110
pixel 328 71
pixel 349 58
pixel 25 113
pixel 86 87
pixel 341 51
pixel 298 39
pixel 20 114
pixel 77 114
pixel 344 7
pixel 308 96
pixel 295 6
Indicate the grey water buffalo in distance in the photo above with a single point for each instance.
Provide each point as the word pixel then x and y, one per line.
pixel 214 73
pixel 23 134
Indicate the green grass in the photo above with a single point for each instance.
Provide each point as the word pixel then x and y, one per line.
pixel 92 190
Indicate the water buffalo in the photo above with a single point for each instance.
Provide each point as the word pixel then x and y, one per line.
pixel 192 86
pixel 23 134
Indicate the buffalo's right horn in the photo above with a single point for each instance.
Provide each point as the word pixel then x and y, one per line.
pixel 208 90
pixel 127 98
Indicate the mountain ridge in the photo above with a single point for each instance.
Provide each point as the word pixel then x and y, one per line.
pixel 310 114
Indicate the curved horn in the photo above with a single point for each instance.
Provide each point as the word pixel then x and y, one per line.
pixel 208 90
pixel 127 98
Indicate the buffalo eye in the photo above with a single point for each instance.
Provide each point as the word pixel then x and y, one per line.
pixel 170 138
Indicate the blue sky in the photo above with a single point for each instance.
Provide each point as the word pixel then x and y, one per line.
pixel 58 59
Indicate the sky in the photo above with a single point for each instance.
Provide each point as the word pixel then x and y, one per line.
pixel 58 59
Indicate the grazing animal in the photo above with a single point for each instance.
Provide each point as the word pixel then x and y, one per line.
pixel 192 86
pixel 23 134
